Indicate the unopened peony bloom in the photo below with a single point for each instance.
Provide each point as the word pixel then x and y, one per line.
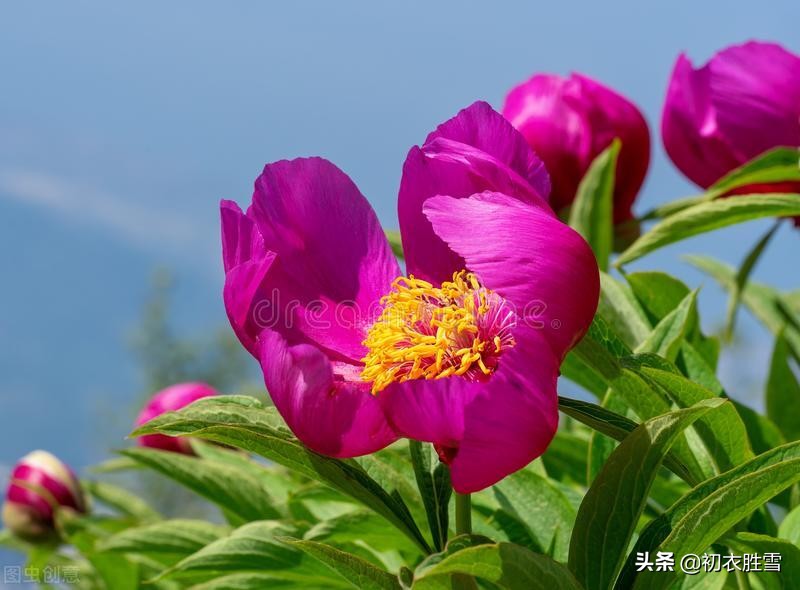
pixel 568 122
pixel 170 399
pixel 40 484
pixel 462 352
pixel 743 102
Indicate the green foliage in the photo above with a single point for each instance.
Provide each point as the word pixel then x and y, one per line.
pixel 244 423
pixel 708 216
pixel 592 210
pixel 611 508
pixel 433 479
pixel 664 461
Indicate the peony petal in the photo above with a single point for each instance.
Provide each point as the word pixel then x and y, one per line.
pixel 241 240
pixel 486 430
pixel 475 151
pixel 246 292
pixel 329 414
pixel 612 116
pixel 483 128
pixel 690 129
pixel 538 263
pixel 558 132
pixel 568 122
pixel 325 263
pixel 170 399
pixel 59 491
pixel 755 90
pixel 34 504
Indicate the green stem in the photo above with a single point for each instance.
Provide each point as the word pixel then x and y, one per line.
pixel 463 514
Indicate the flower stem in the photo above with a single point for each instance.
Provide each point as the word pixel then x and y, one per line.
pixel 463 514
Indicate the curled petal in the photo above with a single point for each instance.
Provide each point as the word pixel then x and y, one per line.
pixel 329 414
pixel 477 150
pixel 483 128
pixel 319 262
pixel 541 265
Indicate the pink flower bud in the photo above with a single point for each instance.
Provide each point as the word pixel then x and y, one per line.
pixel 743 102
pixel 170 399
pixel 568 122
pixel 40 484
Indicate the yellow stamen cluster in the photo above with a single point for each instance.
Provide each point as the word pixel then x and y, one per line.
pixel 427 332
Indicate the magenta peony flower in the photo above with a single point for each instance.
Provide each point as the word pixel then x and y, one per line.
pixel 39 484
pixel 170 399
pixel 463 352
pixel 568 122
pixel 743 102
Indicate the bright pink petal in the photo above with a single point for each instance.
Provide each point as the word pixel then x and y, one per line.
pixel 488 430
pixel 558 132
pixel 483 128
pixel 246 293
pixel 330 415
pixel 743 102
pixel 475 151
pixel 57 490
pixel 322 261
pixel 170 399
pixel 538 263
pixel 690 129
pixel 32 501
pixel 569 121
pixel 755 89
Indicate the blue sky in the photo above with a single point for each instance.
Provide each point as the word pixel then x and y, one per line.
pixel 121 127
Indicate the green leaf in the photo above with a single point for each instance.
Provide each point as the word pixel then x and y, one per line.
pixel 361 527
pixel 620 307
pixel 579 372
pixel 761 431
pixel 433 479
pixel 591 214
pixel 766 303
pixel 790 527
pixel 777 165
pixel 543 509
pixel 709 216
pixel 252 581
pixel 115 465
pixel 722 430
pixel 789 576
pixel 743 275
pixel 121 500
pixel 712 508
pixel 508 566
pixel 600 445
pixel 358 572
pixel 243 422
pixel 254 547
pixel 657 292
pixel 178 537
pixel 613 425
pixel 667 337
pixel 611 508
pixel 783 391
pixel 278 480
pixel 235 491
pixel 395 242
